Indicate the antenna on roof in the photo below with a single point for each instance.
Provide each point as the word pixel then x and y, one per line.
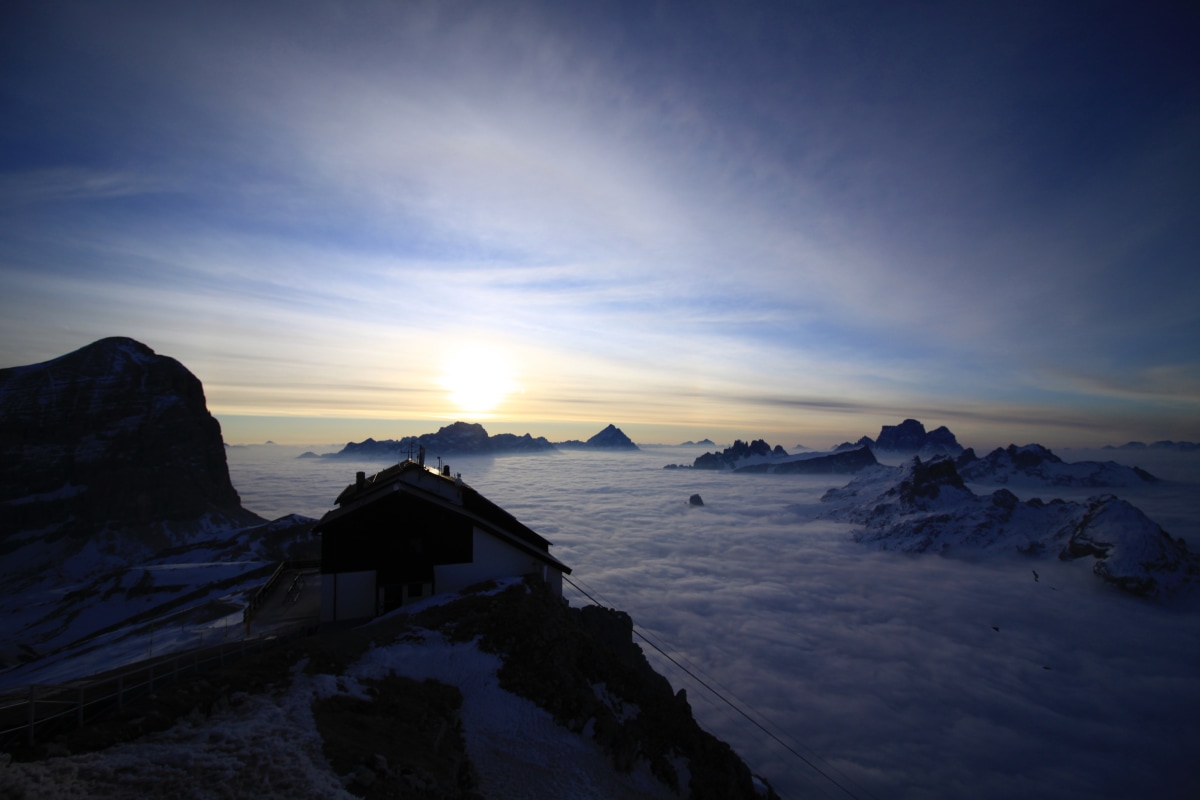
pixel 411 444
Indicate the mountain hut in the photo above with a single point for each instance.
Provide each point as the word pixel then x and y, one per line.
pixel 411 531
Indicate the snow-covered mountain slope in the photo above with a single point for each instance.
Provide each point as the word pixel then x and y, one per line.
pixel 117 513
pixel 499 692
pixel 1035 465
pixel 926 507
pixel 78 619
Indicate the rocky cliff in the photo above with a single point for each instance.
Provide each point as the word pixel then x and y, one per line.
pixel 110 441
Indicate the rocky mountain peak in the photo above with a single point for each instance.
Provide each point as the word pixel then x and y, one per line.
pixel 111 437
pixel 910 437
pixel 612 437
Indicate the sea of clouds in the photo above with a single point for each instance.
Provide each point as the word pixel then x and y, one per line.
pixel 895 675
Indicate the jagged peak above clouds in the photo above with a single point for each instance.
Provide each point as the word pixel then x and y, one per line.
pixel 926 507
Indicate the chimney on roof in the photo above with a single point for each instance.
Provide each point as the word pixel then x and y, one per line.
pixel 360 480
pixel 421 455
pixel 446 470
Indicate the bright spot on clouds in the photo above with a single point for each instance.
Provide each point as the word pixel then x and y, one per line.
pixel 478 378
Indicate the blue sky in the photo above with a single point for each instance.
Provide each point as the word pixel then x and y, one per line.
pixel 796 221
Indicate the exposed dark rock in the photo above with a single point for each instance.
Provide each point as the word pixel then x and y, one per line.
pixel 728 458
pixel 695 500
pixel 113 439
pixel 910 437
pixel 406 740
pixel 865 441
pixel 556 656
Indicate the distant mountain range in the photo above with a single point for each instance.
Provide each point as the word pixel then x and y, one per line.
pixel 1165 444
pixel 907 438
pixel 471 438
pixel 1034 464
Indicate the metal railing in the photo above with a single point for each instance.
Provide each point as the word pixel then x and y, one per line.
pixel 260 596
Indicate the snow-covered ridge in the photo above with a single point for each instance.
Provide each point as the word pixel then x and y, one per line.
pixel 926 507
pixel 99 610
pixel 1033 464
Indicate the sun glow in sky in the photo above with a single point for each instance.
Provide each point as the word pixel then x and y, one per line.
pixel 788 220
pixel 478 379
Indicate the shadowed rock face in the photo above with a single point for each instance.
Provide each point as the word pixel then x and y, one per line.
pixel 910 437
pixel 111 437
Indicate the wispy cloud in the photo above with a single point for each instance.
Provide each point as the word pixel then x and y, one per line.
pixel 825 209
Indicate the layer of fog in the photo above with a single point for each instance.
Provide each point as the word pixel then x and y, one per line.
pixel 898 676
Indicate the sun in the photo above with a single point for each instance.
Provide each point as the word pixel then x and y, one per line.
pixel 478 378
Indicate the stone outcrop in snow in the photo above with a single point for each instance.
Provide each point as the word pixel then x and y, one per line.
pixel 1037 465
pixel 926 507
